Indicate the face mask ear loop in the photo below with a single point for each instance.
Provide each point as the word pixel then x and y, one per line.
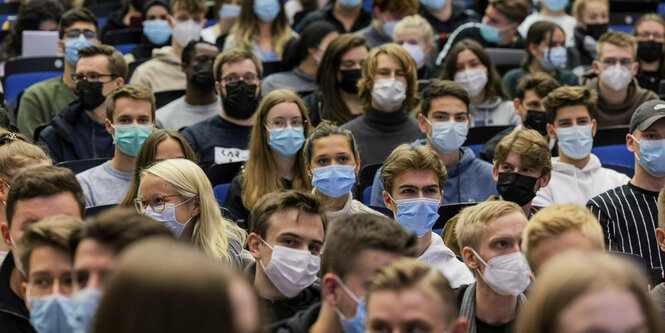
pixel 347 290
pixel 481 260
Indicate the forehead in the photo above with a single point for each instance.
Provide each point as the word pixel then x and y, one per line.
pixel 156 10
pixel 549 247
pixel 408 305
pixel 240 67
pixel 531 95
pixel 331 144
pixel 91 254
pixel 204 49
pixel 447 104
pixel 409 33
pixel 98 63
pixel 595 7
pixel 295 222
pixel 368 261
pixel 614 51
pixel 607 309
pixel 81 26
pixel 571 112
pixel 35 209
pixel 128 105
pixel 466 56
pixel 47 258
pixel 359 52
pixel 286 110
pixel 493 13
pixel 557 36
pixel 386 61
pixel 651 26
pixel 151 184
pixel 418 178
pixel 168 148
pixel 508 225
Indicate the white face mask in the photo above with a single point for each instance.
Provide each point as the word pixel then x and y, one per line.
pixel 616 77
pixel 17 261
pixel 291 270
pixel 507 274
pixel 167 218
pixel 473 80
pixel 389 27
pixel 416 52
pixel 389 93
pixel 186 31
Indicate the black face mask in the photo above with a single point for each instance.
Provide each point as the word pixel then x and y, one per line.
pixel 202 78
pixel 515 187
pixel 349 80
pixel 240 100
pixel 90 94
pixel 649 50
pixel 536 120
pixel 596 30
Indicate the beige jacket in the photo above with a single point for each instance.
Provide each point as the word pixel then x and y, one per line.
pixel 162 72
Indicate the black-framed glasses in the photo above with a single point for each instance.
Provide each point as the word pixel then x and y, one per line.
pixel 157 202
pixel 283 123
pixel 249 78
pixel 91 77
pixel 75 33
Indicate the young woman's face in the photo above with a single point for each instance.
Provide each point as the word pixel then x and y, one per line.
pixel 467 60
pixel 411 36
pixel 558 40
pixel 156 13
pixel 595 12
pixel 388 68
pixel 352 59
pixel 332 150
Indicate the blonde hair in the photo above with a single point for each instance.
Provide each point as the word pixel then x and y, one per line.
pixel 16 153
pixel 661 209
pixel 555 220
pixel 580 5
pixel 419 24
pixel 399 55
pixel 616 38
pixel 261 175
pixel 212 232
pixel 473 220
pixel 569 276
pixel 246 28
pixel 534 151
pixel 406 157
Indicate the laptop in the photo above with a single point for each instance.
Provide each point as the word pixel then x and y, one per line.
pixel 38 43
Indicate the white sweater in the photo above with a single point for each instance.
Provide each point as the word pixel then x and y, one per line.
pixel 572 185
pixel 439 256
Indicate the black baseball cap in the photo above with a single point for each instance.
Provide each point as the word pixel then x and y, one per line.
pixel 647 114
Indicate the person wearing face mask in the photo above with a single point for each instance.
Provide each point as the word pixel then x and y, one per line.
pixel 577 175
pixel 386 14
pixel 122 18
pixel 130 118
pixel 489 235
pixel 417 37
pixel 650 33
pixel 444 16
pixel 301 59
pixel 444 118
pixel 332 161
pixel 545 53
pixel 553 11
pixel 593 18
pixel 631 210
pixel 531 89
pixel 498 28
pixel 79 130
pixel 37 193
pixel 164 71
pixel 387 91
pixel 407 294
pixel 227 14
pixel 43 100
pixel 224 137
pixel 200 100
pixel 286 239
pixel 356 247
pixel 336 96
pixel 522 166
pixel 619 93
pixel 94 249
pixel 470 65
pixel 156 31
pixel 346 15
pixel 413 178
pixel 261 28
pixel 44 250
pixel 275 160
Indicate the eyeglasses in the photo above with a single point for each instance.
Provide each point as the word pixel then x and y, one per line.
pixel 646 35
pixel 282 123
pixel 625 62
pixel 91 77
pixel 75 33
pixel 157 203
pixel 249 78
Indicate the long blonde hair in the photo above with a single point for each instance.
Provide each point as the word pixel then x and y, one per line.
pixel 212 232
pixel 261 175
pixel 246 28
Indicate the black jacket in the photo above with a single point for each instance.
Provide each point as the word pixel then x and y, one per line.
pixel 14 316
pixel 299 323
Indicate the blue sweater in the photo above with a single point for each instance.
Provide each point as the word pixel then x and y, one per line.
pixel 469 180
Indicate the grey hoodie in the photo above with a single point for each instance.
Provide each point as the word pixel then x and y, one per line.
pixel 494 112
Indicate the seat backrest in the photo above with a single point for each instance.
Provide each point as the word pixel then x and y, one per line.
pixel 628 171
pixel 220 192
pixel 446 212
pixel 270 67
pixel 124 48
pixel 79 166
pixel 366 175
pixel 21 65
pixel 611 135
pixel 367 195
pixel 223 173
pixel 122 36
pixel 615 154
pixel 480 135
pixel 92 211
pixel 165 97
pixel 16 83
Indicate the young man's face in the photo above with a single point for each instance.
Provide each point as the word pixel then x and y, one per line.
pixel 388 68
pixel 98 67
pixel 530 102
pixel 611 55
pixel 444 109
pixel 93 261
pixel 568 116
pixel 50 273
pixel 75 30
pixel 514 164
pixel 412 184
pixel 203 53
pixel 654 132
pixel 494 18
pixel 130 111
pixel 244 70
pixel 500 236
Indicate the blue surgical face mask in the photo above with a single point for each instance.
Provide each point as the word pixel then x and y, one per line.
pixel 167 217
pixel 229 11
pixel 349 3
pixel 85 303
pixel 48 314
pixel 129 138
pixel 267 10
pixel 334 180
pixel 72 47
pixel 490 33
pixel 357 323
pixel 158 32
pixel 556 5
pixel 286 142
pixel 433 4
pixel 554 58
pixel 447 136
pixel 575 141
pixel 652 156
pixel 417 215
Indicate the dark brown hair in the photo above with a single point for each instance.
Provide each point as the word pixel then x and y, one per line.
pixel 281 200
pixel 117 64
pixel 76 15
pixel 537 33
pixel 514 10
pixel 541 83
pixel 133 91
pixel 442 88
pixel 569 96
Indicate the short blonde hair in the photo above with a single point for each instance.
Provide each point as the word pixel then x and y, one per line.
pixel 580 5
pixel 406 157
pixel 661 209
pixel 473 220
pixel 616 38
pixel 534 151
pixel 555 220
pixel 568 277
pixel 419 24
pixel 406 273
pixel 133 91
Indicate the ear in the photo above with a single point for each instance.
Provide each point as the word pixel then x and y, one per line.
pixel 516 105
pixel 308 169
pixel 377 14
pixel 594 126
pixel 660 236
pixel 356 169
pixel 630 143
pixel 253 243
pixel 4 228
pixel 533 50
pixel 328 288
pixel 119 82
pixel 427 49
pixel 495 173
pixel 24 294
pixel 387 201
pixel 109 127
pixel 218 88
pixel 171 21
pixel 595 65
pixel 61 46
pixel 636 67
pixel 197 207
pixel 470 259
pixel 422 124
pixel 544 180
pixel 461 325
pixel 550 132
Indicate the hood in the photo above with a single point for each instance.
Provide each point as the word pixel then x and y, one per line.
pixel 489 104
pixel 569 169
pixel 465 159
pixel 166 54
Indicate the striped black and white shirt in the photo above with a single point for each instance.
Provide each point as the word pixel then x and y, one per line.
pixel 629 218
